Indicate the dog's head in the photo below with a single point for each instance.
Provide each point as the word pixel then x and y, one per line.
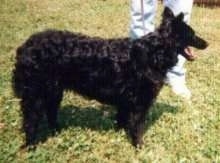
pixel 185 35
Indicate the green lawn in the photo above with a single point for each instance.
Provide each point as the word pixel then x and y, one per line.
pixel 176 130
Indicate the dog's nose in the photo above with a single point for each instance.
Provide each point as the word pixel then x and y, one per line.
pixel 199 43
pixel 204 45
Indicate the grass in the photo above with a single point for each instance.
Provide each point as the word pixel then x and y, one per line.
pixel 176 131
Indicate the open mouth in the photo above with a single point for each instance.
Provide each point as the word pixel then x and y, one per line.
pixel 189 54
pixel 196 42
pixel 188 51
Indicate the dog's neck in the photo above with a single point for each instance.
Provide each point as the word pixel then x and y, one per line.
pixel 156 51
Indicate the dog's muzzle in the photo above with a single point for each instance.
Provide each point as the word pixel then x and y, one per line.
pixel 199 43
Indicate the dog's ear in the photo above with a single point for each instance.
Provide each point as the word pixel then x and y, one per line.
pixel 168 13
pixel 180 17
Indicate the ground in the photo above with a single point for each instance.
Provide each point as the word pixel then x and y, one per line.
pixel 176 130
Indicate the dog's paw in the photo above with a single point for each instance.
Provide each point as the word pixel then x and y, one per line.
pixel 137 143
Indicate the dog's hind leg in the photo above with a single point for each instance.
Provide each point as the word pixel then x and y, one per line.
pixel 51 112
pixel 54 98
pixel 53 103
pixel 32 113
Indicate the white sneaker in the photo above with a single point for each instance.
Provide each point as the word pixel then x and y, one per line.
pixel 181 89
pixel 178 85
pixel 176 79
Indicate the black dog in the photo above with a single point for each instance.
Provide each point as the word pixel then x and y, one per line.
pixel 122 72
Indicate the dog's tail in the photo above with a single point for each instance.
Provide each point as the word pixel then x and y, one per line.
pixel 18 75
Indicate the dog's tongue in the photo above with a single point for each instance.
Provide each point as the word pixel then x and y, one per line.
pixel 190 54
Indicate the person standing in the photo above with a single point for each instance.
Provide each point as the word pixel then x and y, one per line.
pixel 142 22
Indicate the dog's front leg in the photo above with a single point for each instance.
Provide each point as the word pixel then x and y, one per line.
pixel 136 123
pixel 122 116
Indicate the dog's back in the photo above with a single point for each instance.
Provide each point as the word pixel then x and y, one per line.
pixel 88 65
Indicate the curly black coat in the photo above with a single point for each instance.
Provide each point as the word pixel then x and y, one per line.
pixel 122 72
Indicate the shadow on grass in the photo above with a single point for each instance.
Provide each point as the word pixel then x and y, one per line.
pixel 99 119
